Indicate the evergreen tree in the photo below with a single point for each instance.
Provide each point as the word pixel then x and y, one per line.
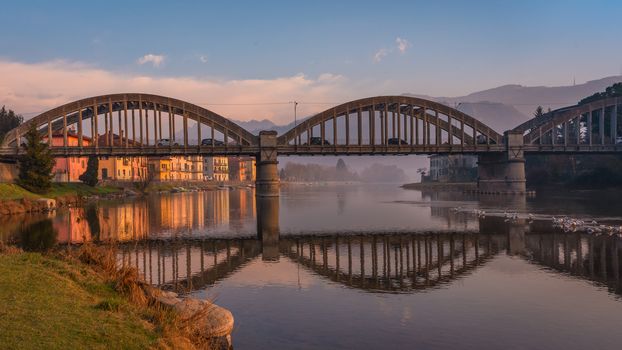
pixel 538 112
pixel 35 164
pixel 89 176
pixel 8 121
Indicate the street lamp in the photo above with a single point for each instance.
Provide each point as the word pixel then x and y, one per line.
pixel 295 122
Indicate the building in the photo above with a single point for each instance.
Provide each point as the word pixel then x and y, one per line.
pixel 242 169
pixel 177 168
pixel 216 168
pixel 186 168
pixel 121 168
pixel 453 168
pixel 160 168
pixel 68 169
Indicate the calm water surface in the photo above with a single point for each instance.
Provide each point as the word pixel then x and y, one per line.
pixel 369 267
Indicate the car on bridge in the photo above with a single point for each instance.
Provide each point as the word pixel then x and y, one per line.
pixel 619 140
pixel 396 141
pixel 211 142
pixel 316 141
pixel 167 142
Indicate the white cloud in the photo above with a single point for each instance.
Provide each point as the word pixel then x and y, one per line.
pixel 380 54
pixel 203 58
pixel 34 88
pixel 155 60
pixel 402 44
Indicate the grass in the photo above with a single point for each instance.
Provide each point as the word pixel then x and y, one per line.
pixel 57 304
pixel 13 191
pixel 80 298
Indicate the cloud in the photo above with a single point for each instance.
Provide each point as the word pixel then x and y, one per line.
pixel 155 60
pixel 32 88
pixel 380 54
pixel 203 58
pixel 402 44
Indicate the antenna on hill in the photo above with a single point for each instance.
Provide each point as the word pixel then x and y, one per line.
pixel 574 81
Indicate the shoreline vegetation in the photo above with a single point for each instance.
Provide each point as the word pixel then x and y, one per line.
pixel 77 297
pixel 15 199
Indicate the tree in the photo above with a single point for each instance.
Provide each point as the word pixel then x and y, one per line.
pixel 36 163
pixel 89 176
pixel 538 112
pixel 8 121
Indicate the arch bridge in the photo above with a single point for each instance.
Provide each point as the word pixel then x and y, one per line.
pixel 135 124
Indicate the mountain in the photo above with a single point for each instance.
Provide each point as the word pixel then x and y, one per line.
pixel 498 116
pixel 509 99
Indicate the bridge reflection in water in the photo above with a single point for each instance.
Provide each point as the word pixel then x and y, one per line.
pixel 384 263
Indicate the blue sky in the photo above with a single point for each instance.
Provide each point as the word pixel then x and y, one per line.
pixel 448 47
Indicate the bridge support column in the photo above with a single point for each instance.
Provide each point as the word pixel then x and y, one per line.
pixel 503 173
pixel 267 183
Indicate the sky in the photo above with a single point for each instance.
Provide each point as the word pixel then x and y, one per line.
pixel 250 59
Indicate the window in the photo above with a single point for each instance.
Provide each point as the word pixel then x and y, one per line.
pixel 123 172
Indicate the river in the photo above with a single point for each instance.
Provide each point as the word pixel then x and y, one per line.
pixel 369 266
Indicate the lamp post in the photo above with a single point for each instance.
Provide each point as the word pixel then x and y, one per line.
pixel 295 122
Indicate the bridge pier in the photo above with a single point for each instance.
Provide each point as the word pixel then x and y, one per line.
pixel 267 183
pixel 503 173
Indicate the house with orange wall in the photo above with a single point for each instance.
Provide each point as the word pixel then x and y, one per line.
pixel 68 169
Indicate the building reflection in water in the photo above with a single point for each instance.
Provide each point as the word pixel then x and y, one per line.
pixel 196 214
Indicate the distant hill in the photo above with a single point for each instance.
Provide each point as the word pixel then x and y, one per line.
pixel 498 106
pixel 498 116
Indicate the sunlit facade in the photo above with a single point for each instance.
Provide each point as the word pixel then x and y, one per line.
pixel 68 169
pixel 216 168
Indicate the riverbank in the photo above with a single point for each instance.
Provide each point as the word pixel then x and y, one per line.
pixel 80 299
pixel 15 199
pixel 49 303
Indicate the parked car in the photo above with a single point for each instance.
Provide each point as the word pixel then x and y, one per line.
pixel 317 141
pixel 211 142
pixel 481 139
pixel 619 140
pixel 396 141
pixel 167 142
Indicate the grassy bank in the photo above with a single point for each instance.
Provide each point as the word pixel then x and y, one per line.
pixel 13 191
pixel 54 304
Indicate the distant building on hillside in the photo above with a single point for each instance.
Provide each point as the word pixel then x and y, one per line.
pixel 453 168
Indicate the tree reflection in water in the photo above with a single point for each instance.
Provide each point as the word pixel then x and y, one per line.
pixel 37 236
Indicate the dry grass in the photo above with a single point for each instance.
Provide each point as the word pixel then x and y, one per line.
pixel 177 332
pixel 9 249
